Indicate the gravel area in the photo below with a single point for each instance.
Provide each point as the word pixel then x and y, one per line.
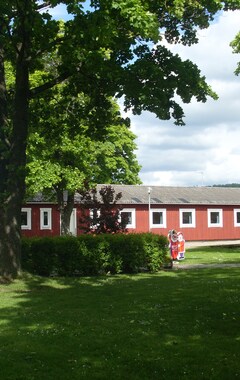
pixel 202 266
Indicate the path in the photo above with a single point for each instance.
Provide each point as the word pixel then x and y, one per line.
pixel 205 266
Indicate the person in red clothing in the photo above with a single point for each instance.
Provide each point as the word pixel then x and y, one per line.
pixel 181 246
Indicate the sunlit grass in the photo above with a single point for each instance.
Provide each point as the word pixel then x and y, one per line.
pixel 170 325
pixel 212 255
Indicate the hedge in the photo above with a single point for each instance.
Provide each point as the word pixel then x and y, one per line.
pixel 92 255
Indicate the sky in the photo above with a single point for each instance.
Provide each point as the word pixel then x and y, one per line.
pixel 206 151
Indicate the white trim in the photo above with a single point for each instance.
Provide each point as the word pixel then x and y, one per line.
pixel 28 211
pixel 133 212
pixel 94 226
pixel 187 225
pixel 164 218
pixel 220 222
pixel 47 226
pixel 236 211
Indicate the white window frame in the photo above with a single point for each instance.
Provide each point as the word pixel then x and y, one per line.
pixel 42 225
pixel 164 214
pixel 236 211
pixel 187 225
pixel 133 212
pixel 28 226
pixel 220 223
pixel 93 227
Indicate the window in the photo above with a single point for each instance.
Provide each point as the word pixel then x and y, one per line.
pixel 187 218
pixel 130 214
pixel 26 218
pixel 215 218
pixel 158 218
pixel 45 218
pixel 237 217
pixel 94 215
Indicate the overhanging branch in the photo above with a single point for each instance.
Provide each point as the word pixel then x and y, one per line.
pixel 46 86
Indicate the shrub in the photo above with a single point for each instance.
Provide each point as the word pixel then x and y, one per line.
pixel 39 256
pixel 91 255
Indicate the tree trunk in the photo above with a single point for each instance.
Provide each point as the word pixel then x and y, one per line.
pixel 10 242
pixel 13 140
pixel 9 217
pixel 65 209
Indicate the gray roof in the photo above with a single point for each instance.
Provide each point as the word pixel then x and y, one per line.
pixel 166 195
pixel 42 198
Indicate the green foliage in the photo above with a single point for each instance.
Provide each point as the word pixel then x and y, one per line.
pixel 235 44
pixel 145 71
pixel 40 254
pixel 81 150
pixel 92 255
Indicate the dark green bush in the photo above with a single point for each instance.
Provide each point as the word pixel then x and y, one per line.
pixel 39 256
pixel 91 255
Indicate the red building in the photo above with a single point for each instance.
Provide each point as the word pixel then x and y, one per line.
pixel 200 213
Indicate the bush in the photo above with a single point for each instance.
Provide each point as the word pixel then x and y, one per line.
pixel 91 255
pixel 38 255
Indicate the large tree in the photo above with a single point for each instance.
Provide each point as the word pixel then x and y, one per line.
pixel 111 48
pixel 75 155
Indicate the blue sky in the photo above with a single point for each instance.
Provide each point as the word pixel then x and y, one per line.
pixel 207 150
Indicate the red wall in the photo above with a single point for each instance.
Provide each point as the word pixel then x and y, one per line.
pixel 200 232
pixel 36 231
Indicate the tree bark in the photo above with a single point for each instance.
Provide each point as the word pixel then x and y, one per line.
pixel 13 140
pixel 65 209
pixel 9 218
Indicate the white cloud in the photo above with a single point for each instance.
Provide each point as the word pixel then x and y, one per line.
pixel 206 150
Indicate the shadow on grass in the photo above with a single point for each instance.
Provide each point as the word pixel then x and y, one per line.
pixel 170 325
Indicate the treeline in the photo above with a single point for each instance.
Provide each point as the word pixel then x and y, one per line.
pixel 228 185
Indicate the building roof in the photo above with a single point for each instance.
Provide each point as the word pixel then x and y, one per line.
pixel 167 195
pixel 164 195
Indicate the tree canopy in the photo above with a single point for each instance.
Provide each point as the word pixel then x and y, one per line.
pixel 66 158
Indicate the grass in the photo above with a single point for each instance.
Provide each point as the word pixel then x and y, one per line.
pixel 171 325
pixel 212 255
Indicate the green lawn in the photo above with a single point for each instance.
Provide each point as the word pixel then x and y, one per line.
pixel 171 325
pixel 212 255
